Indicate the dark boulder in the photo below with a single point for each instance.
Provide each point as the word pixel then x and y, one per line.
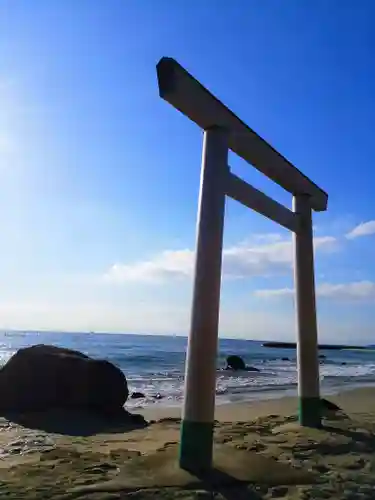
pixel 43 377
pixel 158 396
pixel 137 395
pixel 322 356
pixel 235 363
pixel 285 359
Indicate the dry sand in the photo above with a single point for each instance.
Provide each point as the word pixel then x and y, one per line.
pixel 260 453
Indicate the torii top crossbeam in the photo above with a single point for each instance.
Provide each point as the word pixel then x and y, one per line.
pixel 186 94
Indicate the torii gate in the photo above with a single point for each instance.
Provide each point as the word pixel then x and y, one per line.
pixel 223 130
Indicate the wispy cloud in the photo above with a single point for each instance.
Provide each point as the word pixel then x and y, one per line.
pixel 266 237
pixel 239 261
pixel 358 290
pixel 274 292
pixel 168 264
pixel 363 229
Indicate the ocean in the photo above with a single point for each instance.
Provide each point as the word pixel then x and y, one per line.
pixel 155 365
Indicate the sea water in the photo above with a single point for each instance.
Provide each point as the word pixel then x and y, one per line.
pixel 154 365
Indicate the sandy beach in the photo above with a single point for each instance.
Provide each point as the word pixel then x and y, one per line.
pixel 260 447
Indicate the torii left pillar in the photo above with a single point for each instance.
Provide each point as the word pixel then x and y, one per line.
pixel 200 378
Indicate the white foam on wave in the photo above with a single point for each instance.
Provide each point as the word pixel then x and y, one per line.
pixel 5 356
pixel 348 370
pixel 275 378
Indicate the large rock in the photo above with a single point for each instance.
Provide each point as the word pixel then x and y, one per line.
pixel 42 377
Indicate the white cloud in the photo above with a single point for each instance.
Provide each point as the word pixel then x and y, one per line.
pixel 239 261
pixel 363 229
pixel 170 263
pixel 326 243
pixel 358 290
pixel 243 261
pixel 266 237
pixel 276 292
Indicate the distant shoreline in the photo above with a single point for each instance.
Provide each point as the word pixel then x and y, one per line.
pixel 265 343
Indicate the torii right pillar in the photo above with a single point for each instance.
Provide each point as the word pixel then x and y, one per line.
pixel 307 336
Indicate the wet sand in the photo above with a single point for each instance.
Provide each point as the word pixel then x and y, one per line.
pixel 260 453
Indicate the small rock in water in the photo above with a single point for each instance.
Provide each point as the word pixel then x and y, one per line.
pixel 137 395
pixel 158 396
pixel 252 369
pixel 235 363
pixel 285 359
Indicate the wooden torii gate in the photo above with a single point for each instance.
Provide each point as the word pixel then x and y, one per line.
pixel 223 130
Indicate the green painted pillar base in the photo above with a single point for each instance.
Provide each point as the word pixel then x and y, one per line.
pixel 196 445
pixel 310 412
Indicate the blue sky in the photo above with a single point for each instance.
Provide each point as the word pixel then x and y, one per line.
pixel 99 176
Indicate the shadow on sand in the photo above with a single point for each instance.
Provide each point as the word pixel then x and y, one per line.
pixel 236 475
pixel 230 488
pixel 77 423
